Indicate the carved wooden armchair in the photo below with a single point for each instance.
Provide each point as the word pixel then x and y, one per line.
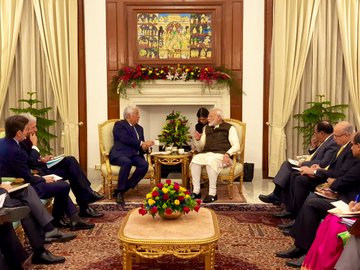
pixel 228 174
pixel 110 173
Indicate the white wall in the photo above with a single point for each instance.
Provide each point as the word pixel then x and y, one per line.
pixel 96 82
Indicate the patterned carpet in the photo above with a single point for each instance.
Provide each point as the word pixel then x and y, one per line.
pixel 249 239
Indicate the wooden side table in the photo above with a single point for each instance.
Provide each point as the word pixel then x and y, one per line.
pixel 189 236
pixel 173 159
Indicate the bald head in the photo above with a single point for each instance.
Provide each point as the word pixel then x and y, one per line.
pixel 343 132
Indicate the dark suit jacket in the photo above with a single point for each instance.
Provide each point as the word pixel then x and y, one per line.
pixel 13 162
pixel 126 141
pixel 324 154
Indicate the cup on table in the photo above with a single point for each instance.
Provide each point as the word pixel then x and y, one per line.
pixel 174 150
pixel 181 151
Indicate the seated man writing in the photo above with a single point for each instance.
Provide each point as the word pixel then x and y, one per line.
pixel 217 144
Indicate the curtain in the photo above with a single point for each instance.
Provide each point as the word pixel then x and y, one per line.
pixel 349 23
pixel 57 21
pixel 293 27
pixel 324 74
pixel 10 17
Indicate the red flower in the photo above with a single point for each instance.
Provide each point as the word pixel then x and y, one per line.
pixel 142 211
pixel 198 201
pixel 187 192
pixel 160 185
pixel 166 196
pixel 155 193
pixel 186 209
pixel 168 211
pixel 181 198
pixel 176 186
pixel 168 182
pixel 196 208
pixel 153 210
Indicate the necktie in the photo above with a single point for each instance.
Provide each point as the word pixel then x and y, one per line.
pixel 137 134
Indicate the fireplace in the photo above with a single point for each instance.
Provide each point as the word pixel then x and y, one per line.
pixel 159 98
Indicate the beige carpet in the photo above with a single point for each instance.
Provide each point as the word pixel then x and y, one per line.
pixel 222 192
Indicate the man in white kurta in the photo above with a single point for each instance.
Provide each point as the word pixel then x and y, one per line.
pixel 218 142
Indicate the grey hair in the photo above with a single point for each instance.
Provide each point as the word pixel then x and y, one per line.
pixel 129 110
pixel 218 111
pixel 348 128
pixel 29 116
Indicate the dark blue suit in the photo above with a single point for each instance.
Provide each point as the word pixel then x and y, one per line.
pixel 127 152
pixel 301 185
pixel 13 162
pixel 323 155
pixel 315 207
pixel 68 169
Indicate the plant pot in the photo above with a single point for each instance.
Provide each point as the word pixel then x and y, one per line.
pixel 173 215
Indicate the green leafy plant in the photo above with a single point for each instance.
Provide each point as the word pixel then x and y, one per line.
pixel 175 131
pixel 319 110
pixel 43 124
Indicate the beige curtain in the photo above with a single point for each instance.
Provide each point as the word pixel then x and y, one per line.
pixel 349 22
pixel 324 74
pixel 29 73
pixel 10 17
pixel 57 21
pixel 293 27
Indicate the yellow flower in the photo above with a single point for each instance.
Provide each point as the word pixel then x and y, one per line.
pixel 182 189
pixel 192 73
pixel 187 196
pixel 176 202
pixel 161 71
pixel 151 201
pixel 155 188
pixel 165 190
pixel 187 70
pixel 148 196
pixel 164 206
pixel 150 71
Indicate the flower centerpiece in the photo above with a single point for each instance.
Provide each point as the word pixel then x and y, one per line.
pixel 168 198
pixel 175 130
pixel 133 77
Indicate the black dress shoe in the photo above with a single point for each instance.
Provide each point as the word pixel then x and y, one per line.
pixel 282 214
pixel 287 225
pixel 47 258
pixel 58 236
pixel 63 222
pixel 210 199
pixel 90 212
pixel 293 252
pixel 196 196
pixel 13 214
pixel 120 198
pixel 81 225
pixel 95 196
pixel 271 198
pixel 296 263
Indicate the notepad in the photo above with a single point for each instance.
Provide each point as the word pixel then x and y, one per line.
pixel 19 187
pixel 55 160
pixel 342 210
pixel 54 176
pixel 294 162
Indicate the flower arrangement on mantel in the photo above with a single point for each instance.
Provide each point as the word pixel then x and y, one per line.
pixel 175 130
pixel 169 198
pixel 133 77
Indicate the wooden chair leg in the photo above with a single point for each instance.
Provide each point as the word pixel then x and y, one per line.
pixel 241 181
pixel 110 187
pixel 230 189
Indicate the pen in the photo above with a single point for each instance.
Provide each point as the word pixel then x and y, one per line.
pixel 357 198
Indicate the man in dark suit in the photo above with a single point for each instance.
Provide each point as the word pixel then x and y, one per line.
pixel 315 207
pixel 13 162
pixel 36 225
pixel 68 169
pixel 302 185
pixel 128 150
pixel 323 155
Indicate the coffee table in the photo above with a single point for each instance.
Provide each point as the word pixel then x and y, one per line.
pixel 189 236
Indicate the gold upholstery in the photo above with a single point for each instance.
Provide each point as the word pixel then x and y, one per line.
pixel 228 174
pixel 2 133
pixel 109 172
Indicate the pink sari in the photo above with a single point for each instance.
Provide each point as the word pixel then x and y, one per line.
pixel 327 246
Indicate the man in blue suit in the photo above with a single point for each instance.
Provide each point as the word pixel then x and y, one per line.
pixel 323 155
pixel 13 162
pixel 128 150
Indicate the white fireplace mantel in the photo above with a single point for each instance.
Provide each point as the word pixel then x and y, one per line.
pixel 158 98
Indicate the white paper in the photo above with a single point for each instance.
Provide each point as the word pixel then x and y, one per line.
pixel 341 205
pixel 2 199
pixel 296 168
pixel 293 162
pixel 54 176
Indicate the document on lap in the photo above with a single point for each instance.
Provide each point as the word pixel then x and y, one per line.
pixel 294 162
pixel 55 160
pixel 15 188
pixel 54 176
pixel 2 199
pixel 342 210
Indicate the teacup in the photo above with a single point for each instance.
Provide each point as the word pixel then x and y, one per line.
pixel 174 149
pixel 181 151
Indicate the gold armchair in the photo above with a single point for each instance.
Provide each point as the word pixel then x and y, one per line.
pixel 228 174
pixel 110 173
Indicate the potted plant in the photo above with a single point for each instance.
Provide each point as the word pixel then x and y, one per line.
pixel 43 124
pixel 319 110
pixel 169 200
pixel 175 130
